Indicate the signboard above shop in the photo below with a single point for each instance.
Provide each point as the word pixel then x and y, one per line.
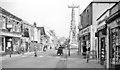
pixel 85 31
pixel 102 27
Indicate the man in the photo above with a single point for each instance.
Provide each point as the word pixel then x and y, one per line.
pixel 88 52
pixel 35 51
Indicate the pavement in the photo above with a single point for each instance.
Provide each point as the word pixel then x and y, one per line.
pixel 48 59
pixel 77 61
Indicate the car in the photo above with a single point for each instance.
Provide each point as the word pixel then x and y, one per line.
pixel 60 51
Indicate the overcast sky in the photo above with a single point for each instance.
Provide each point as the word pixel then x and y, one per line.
pixel 54 14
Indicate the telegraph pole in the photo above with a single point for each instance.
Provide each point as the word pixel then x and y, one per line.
pixel 72 33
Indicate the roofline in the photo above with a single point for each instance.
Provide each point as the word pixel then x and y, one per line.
pixel 98 2
pixel 25 22
pixel 17 18
pixel 40 27
pixel 115 5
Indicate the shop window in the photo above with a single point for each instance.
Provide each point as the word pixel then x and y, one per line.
pixel 26 32
pixel 115 45
pixel 10 25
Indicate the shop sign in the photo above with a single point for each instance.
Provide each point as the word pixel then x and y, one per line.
pixel 101 21
pixel 102 27
pixel 84 31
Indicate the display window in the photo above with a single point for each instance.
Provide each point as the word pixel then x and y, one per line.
pixel 115 32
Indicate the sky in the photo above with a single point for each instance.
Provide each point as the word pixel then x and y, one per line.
pixel 53 14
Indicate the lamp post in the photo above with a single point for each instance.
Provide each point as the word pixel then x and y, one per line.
pixel 69 47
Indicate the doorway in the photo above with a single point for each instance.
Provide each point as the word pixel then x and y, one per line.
pixel 102 51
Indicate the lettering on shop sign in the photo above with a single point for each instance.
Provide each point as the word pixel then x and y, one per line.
pixel 85 31
pixel 100 28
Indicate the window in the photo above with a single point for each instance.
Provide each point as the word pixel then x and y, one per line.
pixel 1 43
pixel 2 22
pixel 26 32
pixel 10 25
pixel 115 45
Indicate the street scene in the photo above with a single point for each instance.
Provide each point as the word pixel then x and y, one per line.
pixel 60 35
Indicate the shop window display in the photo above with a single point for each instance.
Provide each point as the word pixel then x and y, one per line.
pixel 115 45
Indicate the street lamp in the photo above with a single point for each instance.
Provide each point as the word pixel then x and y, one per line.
pixel 69 47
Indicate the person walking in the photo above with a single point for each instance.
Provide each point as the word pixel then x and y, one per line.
pixel 88 52
pixel 35 51
pixel 22 49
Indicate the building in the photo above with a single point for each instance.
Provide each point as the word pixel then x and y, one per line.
pixel 44 39
pixel 88 21
pixel 27 35
pixel 42 33
pixel 113 31
pixel 10 31
pixel 102 38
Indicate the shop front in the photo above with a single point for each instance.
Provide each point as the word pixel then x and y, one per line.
pixel 114 44
pixel 84 39
pixel 102 44
pixel 9 41
pixel 114 37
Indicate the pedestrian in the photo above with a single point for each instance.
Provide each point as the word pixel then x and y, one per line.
pixel 88 52
pixel 22 49
pixel 44 48
pixel 35 51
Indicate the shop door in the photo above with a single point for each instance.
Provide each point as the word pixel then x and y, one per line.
pixel 102 58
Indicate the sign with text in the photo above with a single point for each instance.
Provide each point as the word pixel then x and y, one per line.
pixel 85 31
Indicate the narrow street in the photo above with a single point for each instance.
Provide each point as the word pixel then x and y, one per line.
pixel 49 59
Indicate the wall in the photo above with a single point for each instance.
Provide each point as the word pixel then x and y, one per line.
pixel 86 17
pixel 35 34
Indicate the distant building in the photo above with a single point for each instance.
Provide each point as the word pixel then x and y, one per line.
pixel 44 39
pixel 27 35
